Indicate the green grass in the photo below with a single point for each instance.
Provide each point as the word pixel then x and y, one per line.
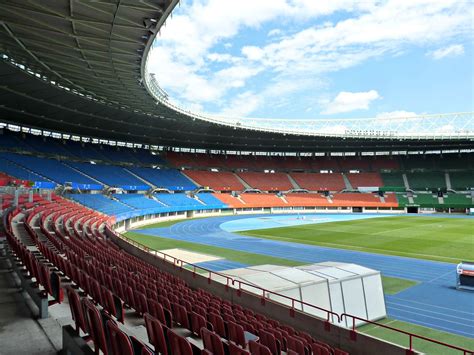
pixel 420 345
pixel 167 223
pixel 393 285
pixel 159 243
pixel 434 238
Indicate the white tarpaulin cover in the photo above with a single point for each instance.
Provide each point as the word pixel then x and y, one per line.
pixel 339 287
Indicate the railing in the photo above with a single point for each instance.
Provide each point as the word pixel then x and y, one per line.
pixel 340 317
pixel 411 336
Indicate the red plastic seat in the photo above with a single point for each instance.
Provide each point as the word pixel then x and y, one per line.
pixel 76 309
pixel 120 343
pixel 258 349
pixel 156 334
pixel 218 324
pixel 180 315
pixel 269 340
pixel 178 344
pixel 319 350
pixel 95 326
pixel 198 322
pixel 237 350
pixel 212 342
pixel 295 344
pixel 236 333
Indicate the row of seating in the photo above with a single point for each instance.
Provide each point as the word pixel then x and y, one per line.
pixel 78 150
pixel 105 281
pixel 334 163
pixel 88 176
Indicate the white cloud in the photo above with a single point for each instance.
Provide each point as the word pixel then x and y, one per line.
pixel 242 105
pixel 350 101
pixel 397 114
pixel 191 68
pixel 274 32
pixel 450 51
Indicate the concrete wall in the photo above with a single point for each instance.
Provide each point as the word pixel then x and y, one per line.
pixel 336 336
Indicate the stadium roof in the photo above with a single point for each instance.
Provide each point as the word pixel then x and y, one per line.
pixel 79 67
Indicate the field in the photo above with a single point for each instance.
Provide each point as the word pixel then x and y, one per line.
pixel 433 238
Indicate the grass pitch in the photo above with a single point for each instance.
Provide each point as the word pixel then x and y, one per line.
pixel 434 238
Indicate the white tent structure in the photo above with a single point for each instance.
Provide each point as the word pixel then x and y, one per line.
pixel 339 287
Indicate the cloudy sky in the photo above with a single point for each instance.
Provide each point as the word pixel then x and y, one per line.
pixel 318 59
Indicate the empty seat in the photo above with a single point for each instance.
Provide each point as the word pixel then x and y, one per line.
pixel 76 309
pixel 120 343
pixel 212 342
pixel 95 326
pixel 178 344
pixel 156 334
pixel 258 349
pixel 236 333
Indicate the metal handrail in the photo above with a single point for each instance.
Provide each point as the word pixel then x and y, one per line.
pixel 410 335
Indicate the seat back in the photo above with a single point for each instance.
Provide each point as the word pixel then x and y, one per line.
pixel 178 344
pixel 180 315
pixel 237 350
pixel 76 309
pixel 95 326
pixel 269 340
pixel 258 349
pixel 317 349
pixel 236 333
pixel 120 343
pixel 218 324
pixel 212 342
pixel 295 344
pixel 156 334
pixel 197 322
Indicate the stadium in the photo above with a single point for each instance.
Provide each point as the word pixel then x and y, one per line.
pixel 131 225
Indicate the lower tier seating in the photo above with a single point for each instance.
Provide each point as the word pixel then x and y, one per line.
pixel 103 282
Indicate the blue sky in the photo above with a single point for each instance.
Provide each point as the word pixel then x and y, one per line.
pixel 306 59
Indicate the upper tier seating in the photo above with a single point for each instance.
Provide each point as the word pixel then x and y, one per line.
pixel 378 164
pixel 267 182
pixel 18 172
pixel 69 148
pixel 462 180
pixel 358 199
pixel 307 200
pixel 219 181
pixel 170 179
pixel 428 180
pixel 319 182
pixel 393 179
pixel 101 203
pixel 111 175
pixel 365 180
pixel 53 170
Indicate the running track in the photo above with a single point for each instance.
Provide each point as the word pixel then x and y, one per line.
pixel 434 302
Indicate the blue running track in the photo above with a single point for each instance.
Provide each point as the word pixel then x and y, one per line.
pixel 434 302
